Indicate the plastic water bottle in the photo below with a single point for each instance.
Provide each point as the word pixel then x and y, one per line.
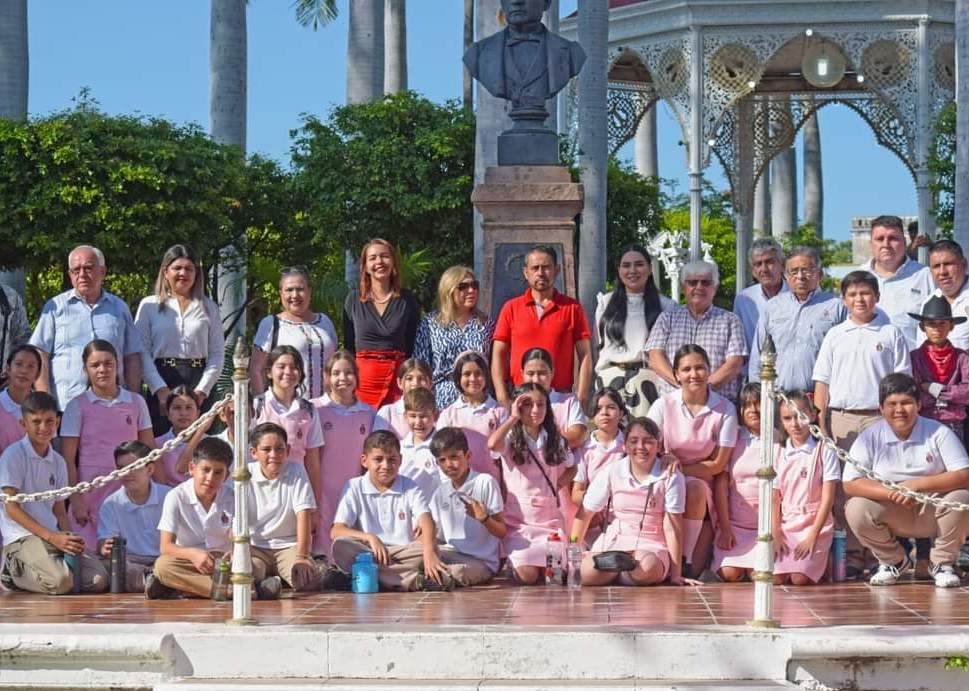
pixel 554 573
pixel 221 581
pixel 364 574
pixel 839 555
pixel 574 558
pixel 73 562
pixel 118 564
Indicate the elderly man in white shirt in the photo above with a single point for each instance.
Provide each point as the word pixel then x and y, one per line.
pixel 766 258
pixel 903 283
pixel 947 265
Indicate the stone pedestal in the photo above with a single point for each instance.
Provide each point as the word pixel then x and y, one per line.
pixel 523 206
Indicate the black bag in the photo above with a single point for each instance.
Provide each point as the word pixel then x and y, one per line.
pixel 614 560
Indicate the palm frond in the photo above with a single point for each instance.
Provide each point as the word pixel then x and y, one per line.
pixel 315 13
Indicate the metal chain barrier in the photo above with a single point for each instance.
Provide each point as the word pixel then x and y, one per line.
pixel 100 481
pixel 868 473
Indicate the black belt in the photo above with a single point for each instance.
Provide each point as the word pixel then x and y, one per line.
pixel 193 362
pixel 628 365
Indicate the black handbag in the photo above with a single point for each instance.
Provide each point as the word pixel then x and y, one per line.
pixel 616 560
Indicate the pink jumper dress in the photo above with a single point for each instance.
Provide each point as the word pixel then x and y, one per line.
pixel 800 481
pixel 170 459
pixel 562 404
pixel 477 422
pixel 297 424
pixel 743 502
pixel 10 429
pixel 593 457
pixel 344 430
pixel 635 505
pixel 102 429
pixel 532 512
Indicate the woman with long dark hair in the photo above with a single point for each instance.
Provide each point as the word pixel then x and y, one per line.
pixel 624 318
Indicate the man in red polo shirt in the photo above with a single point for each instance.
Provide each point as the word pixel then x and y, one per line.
pixel 542 318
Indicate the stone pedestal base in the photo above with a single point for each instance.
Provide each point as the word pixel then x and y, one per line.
pixel 523 206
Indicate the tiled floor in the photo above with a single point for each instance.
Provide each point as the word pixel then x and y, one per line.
pixel 825 605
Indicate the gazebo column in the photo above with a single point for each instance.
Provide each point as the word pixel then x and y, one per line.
pixel 696 141
pixel 647 160
pixel 743 191
pixel 923 139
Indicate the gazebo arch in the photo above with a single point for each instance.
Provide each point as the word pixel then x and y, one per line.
pixel 732 73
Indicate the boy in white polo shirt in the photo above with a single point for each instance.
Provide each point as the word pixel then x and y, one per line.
pixel 284 507
pixel 416 460
pixel 466 510
pixel 923 455
pixel 381 512
pixel 36 534
pixel 195 525
pixel 133 512
pixel 854 357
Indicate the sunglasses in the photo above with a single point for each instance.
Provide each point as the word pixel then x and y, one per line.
pixel 694 282
pixel 465 286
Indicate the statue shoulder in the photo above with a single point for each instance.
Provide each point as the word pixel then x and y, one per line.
pixel 575 52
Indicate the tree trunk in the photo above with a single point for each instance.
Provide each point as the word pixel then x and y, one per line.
pixel 14 81
pixel 647 160
pixel 395 46
pixel 365 51
pixel 227 114
pixel 813 183
pixel 593 147
pixel 961 228
pixel 468 92
pixel 783 198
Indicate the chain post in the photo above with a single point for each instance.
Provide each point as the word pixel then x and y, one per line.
pixel 763 575
pixel 241 552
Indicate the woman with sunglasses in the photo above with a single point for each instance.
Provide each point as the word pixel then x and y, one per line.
pixel 455 327
pixel 311 333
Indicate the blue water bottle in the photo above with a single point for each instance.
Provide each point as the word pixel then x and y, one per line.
pixel 839 555
pixel 73 563
pixel 364 574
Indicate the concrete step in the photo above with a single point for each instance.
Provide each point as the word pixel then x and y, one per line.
pixel 432 685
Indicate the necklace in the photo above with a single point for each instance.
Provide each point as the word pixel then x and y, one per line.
pixel 383 301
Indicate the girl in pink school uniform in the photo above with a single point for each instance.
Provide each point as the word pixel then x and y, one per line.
pixel 23 366
pixel 807 473
pixel 699 428
pixel 647 497
pixel 411 374
pixel 736 493
pixel 346 422
pixel 283 405
pixel 475 412
pixel 536 464
pixel 605 443
pixel 94 423
pixel 181 409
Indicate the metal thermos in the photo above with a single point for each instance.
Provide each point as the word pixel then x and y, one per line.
pixel 119 563
pixel 839 553
pixel 73 562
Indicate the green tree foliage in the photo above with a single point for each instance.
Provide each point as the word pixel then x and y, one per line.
pixel 942 165
pixel 635 213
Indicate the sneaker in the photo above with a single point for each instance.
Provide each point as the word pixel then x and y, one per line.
pixel 963 560
pixel 335 578
pixel 888 574
pixel 429 585
pixel 922 570
pixel 156 590
pixel 945 576
pixel 6 580
pixel 269 588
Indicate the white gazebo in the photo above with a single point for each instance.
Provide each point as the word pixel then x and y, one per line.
pixel 742 76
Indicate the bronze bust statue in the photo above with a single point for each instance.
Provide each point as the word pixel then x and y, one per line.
pixel 526 64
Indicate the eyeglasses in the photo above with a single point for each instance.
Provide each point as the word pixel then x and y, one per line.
pixel 802 271
pixel 465 286
pixel 83 269
pixel 694 282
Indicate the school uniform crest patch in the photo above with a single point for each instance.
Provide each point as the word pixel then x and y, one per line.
pixel 299 434
pixel 52 480
pixel 327 426
pixel 127 420
pixel 879 347
pixel 363 429
pixel 224 518
pixel 401 515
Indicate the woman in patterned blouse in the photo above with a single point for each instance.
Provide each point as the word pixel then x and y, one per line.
pixel 456 326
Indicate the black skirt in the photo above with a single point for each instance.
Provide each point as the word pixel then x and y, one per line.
pixel 175 372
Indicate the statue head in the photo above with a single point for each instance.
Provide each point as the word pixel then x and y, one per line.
pixel 524 15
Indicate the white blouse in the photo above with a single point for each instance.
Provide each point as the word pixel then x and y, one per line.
pixel 171 333
pixel 634 331
pixel 315 341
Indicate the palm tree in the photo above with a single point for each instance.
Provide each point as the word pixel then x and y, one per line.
pixel 593 148
pixel 813 184
pixel 961 227
pixel 395 46
pixel 14 81
pixel 365 51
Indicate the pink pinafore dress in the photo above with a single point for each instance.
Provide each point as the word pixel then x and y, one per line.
pixel 561 405
pixel 10 429
pixel 102 429
pixel 593 458
pixel 743 502
pixel 638 511
pixel 170 459
pixel 800 481
pixel 478 423
pixel 297 423
pixel 532 511
pixel 344 431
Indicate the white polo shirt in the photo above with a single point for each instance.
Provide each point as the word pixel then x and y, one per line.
pixel 184 516
pixel 574 414
pixel 275 503
pixel 418 463
pixel 465 533
pixel 136 523
pixel 855 357
pixel 931 449
pixel 391 515
pixel 903 292
pixel 27 471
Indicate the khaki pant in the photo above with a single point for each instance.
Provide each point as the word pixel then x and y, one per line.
pixel 282 562
pixel 136 568
pixel 182 575
pixel 879 523
pixel 407 560
pixel 38 567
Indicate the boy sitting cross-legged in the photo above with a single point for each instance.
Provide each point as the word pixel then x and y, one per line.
pixel 36 533
pixel 466 511
pixel 384 513
pixel 132 512
pixel 195 525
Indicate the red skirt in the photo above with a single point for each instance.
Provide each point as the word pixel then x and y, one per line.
pixel 378 376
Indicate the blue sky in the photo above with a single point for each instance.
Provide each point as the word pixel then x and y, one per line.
pixel 152 58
